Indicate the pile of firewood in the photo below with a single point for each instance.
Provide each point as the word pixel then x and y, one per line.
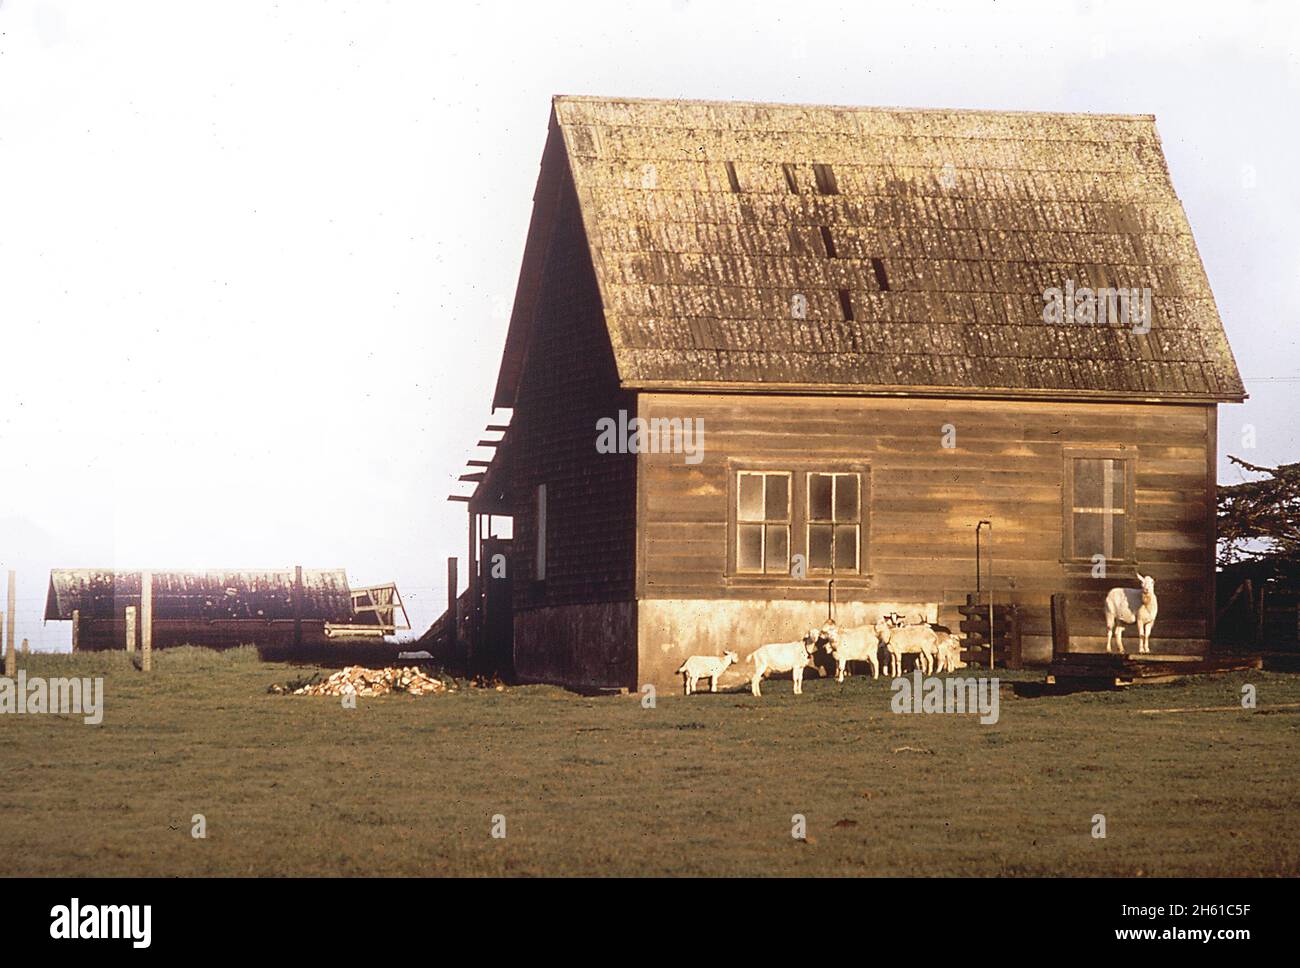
pixel 358 681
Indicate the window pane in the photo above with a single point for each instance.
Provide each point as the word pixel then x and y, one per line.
pixel 778 497
pixel 1088 535
pixel 778 548
pixel 1118 549
pixel 1118 492
pixel 819 546
pixel 846 547
pixel 751 497
pixel 819 497
pixel 1088 483
pixel 846 497
pixel 749 547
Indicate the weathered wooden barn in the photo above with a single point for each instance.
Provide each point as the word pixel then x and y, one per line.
pixel 221 608
pixel 851 304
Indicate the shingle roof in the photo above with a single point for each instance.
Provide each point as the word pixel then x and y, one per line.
pixel 200 595
pixel 917 243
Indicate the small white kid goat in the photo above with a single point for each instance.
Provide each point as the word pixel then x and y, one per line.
pixel 947 656
pixel 709 667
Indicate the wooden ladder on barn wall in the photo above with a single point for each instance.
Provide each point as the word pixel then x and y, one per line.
pixel 1003 639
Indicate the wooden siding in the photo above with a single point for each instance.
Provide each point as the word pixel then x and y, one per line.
pixel 583 647
pixel 1007 466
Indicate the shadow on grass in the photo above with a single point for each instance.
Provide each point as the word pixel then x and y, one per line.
pixel 335 655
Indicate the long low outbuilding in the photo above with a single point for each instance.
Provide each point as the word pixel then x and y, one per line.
pixel 219 608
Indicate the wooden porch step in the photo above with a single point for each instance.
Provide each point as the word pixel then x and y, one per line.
pixel 1113 668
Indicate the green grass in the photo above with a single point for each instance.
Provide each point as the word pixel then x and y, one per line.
pixel 700 785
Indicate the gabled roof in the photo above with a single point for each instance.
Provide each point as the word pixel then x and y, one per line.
pixel 917 243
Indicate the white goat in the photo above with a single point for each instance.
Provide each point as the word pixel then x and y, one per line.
pixel 861 644
pixel 920 640
pixel 1130 605
pixel 792 657
pixel 709 667
pixel 947 656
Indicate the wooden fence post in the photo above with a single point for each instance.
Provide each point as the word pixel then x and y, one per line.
pixel 130 628
pixel 76 629
pixel 1060 628
pixel 297 605
pixel 1015 649
pixel 11 657
pixel 146 621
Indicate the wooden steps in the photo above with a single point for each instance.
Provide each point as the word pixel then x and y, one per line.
pixel 1107 670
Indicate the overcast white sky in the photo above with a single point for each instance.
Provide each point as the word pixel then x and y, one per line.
pixel 256 259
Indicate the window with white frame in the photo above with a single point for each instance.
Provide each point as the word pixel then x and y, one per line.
pixel 834 522
pixel 763 522
pixel 1098 520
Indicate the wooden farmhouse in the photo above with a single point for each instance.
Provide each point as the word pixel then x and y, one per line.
pixel 756 348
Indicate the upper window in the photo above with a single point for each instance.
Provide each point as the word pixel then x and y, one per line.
pixel 1099 510
pixel 763 522
pixel 834 522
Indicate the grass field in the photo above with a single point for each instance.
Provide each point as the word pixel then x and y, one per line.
pixel 601 786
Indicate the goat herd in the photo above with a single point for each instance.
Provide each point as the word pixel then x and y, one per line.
pixel 935 647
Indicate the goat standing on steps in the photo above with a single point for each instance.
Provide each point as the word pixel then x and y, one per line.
pixel 1128 606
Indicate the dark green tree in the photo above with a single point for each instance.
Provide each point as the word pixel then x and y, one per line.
pixel 1259 520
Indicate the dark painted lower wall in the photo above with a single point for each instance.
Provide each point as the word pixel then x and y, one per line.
pixel 583 647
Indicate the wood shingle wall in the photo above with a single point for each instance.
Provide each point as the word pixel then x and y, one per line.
pixel 576 626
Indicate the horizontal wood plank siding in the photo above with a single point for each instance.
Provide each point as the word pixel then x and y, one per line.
pixel 1007 466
